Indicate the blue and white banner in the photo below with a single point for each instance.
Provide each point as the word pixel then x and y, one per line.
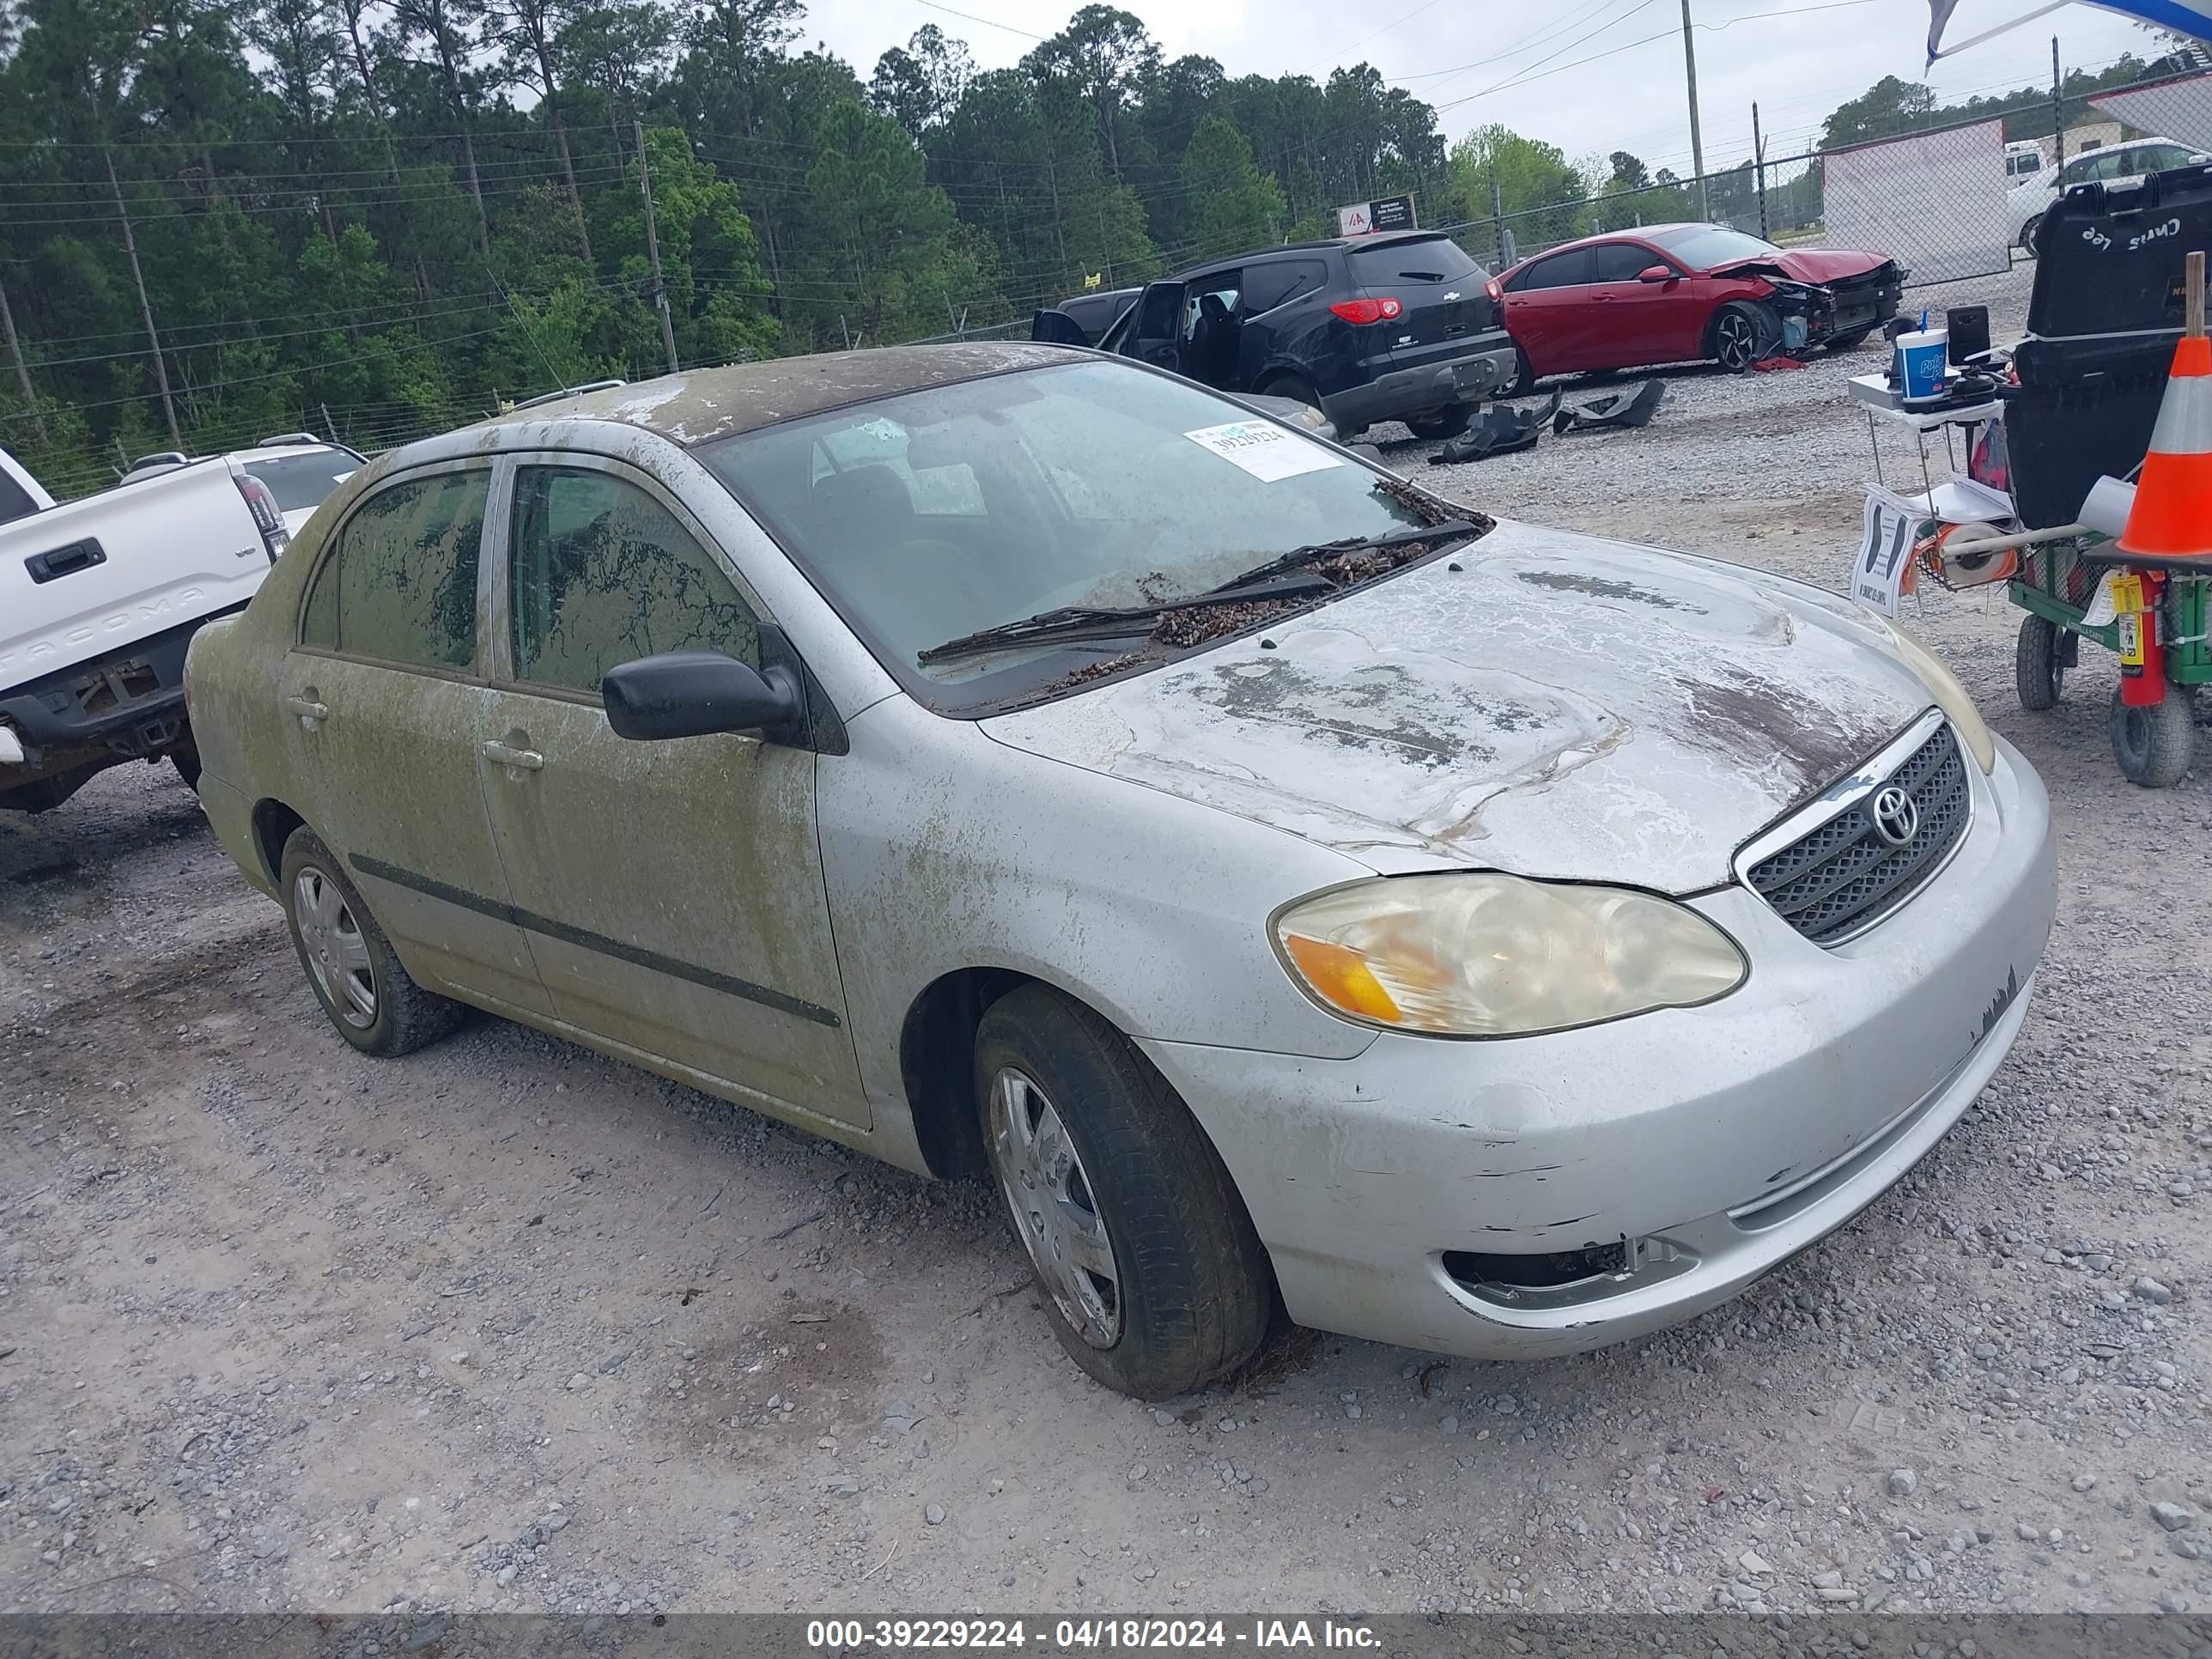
pixel 2192 17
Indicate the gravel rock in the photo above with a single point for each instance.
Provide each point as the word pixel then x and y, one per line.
pixel 2173 1516
pixel 2152 1292
pixel 1902 1482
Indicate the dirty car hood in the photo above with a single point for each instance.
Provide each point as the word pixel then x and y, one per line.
pixel 1559 706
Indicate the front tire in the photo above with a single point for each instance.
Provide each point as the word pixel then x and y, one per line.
pixel 1155 1282
pixel 350 963
pixel 1745 332
pixel 2155 745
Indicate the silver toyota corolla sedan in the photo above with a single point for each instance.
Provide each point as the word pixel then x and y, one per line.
pixel 1004 759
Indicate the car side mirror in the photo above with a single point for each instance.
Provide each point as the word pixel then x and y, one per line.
pixel 1655 274
pixel 694 694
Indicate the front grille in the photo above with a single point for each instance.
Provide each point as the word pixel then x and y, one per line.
pixel 1844 876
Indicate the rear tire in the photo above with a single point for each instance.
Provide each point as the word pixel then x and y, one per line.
pixel 2027 235
pixel 2154 745
pixel 1851 341
pixel 186 759
pixel 2038 664
pixel 350 963
pixel 1745 331
pixel 1524 376
pixel 1448 422
pixel 1290 386
pixel 1153 1280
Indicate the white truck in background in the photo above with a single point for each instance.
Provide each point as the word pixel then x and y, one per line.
pixel 98 598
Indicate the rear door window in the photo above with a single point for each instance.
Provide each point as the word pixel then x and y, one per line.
pixel 14 500
pixel 1560 270
pixel 399 586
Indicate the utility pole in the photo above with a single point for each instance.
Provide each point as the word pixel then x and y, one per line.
pixel 1696 137
pixel 1759 161
pixel 652 246
pixel 22 375
pixel 2058 105
pixel 145 308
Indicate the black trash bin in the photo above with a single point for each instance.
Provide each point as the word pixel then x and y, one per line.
pixel 2102 323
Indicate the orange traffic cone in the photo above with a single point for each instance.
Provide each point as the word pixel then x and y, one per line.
pixel 2172 513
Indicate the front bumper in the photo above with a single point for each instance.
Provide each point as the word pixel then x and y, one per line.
pixel 1687 1152
pixel 1489 366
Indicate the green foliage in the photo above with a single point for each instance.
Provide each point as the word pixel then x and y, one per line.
pixel 1541 193
pixel 1235 206
pixel 394 209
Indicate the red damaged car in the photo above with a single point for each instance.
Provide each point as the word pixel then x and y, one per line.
pixel 1675 294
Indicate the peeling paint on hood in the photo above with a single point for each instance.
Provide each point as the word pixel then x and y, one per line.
pixel 1560 706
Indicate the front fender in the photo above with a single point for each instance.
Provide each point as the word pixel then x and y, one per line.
pixel 946 850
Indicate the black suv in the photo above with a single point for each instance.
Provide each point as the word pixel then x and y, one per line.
pixel 1397 327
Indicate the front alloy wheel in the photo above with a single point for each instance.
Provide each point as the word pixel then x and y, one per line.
pixel 338 956
pixel 1735 341
pixel 1050 1195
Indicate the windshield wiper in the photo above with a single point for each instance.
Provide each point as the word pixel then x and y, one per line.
pixel 1281 578
pixel 1108 622
pixel 1451 530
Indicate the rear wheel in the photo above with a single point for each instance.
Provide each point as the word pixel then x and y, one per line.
pixel 1851 341
pixel 1290 386
pixel 1745 331
pixel 350 964
pixel 1524 376
pixel 185 757
pixel 1153 1280
pixel 1447 422
pixel 2154 745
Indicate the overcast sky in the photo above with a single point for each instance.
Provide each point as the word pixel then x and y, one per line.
pixel 1584 84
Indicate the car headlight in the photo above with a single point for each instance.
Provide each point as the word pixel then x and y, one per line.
pixel 1487 955
pixel 1950 697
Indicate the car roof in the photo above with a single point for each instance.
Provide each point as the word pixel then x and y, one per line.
pixel 1322 245
pixel 700 406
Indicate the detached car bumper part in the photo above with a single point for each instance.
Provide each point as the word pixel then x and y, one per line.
pixel 1425 390
pixel 1533 1196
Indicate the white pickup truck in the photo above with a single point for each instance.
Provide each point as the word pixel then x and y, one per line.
pixel 98 598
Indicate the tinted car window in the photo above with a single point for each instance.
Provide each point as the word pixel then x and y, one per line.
pixel 1560 270
pixel 1268 286
pixel 1621 262
pixel 301 481
pixel 400 584
pixel 1432 260
pixel 1160 313
pixel 15 500
pixel 601 574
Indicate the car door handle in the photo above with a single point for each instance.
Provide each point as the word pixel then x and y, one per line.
pixel 307 708
pixel 529 760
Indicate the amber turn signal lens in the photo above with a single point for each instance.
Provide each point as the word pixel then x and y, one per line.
pixel 1340 977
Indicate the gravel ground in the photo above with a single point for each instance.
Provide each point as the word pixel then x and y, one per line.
pixel 506 1325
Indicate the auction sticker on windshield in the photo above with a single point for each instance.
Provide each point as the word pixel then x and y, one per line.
pixel 1263 449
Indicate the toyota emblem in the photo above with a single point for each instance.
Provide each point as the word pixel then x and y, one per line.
pixel 1896 819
